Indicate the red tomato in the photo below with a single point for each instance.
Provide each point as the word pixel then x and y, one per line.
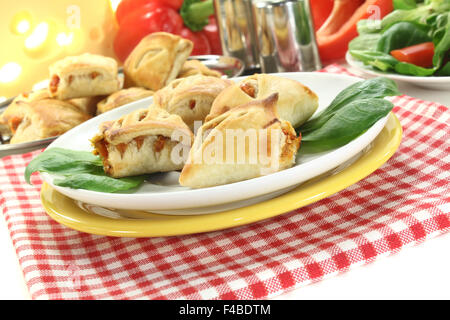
pixel 420 54
pixel 201 44
pixel 142 22
pixel 211 31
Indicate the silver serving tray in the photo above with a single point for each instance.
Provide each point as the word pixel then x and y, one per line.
pixel 229 66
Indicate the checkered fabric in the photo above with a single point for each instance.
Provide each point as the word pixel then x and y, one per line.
pixel 403 203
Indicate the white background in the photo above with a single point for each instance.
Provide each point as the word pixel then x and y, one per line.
pixel 417 272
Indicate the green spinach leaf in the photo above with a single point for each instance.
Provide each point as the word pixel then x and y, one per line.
pixel 364 90
pixel 58 160
pixel 346 124
pixel 79 170
pixel 404 4
pixel 100 183
pixel 413 70
pixel 402 35
pixel 376 59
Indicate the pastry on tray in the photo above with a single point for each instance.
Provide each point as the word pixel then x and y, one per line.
pixel 246 142
pixel 83 76
pixel 122 97
pixel 190 98
pixel 144 141
pixel 296 102
pixel 47 118
pixel 14 113
pixel 194 67
pixel 156 60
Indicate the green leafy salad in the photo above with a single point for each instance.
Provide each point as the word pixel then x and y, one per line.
pixel 350 114
pixel 412 40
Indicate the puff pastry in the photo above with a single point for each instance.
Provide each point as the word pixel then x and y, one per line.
pixel 121 98
pixel 268 144
pixel 83 76
pixel 190 98
pixel 144 141
pixel 194 67
pixel 14 113
pixel 156 60
pixel 296 103
pixel 47 118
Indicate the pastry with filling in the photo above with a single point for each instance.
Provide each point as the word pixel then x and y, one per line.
pixel 156 60
pixel 244 143
pixel 14 113
pixel 296 102
pixel 47 118
pixel 122 97
pixel 194 67
pixel 190 98
pixel 83 76
pixel 144 141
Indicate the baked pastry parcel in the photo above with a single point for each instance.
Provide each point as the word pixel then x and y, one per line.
pixel 246 142
pixel 296 102
pixel 83 76
pixel 194 67
pixel 121 98
pixel 144 141
pixel 156 60
pixel 190 98
pixel 47 118
pixel 15 112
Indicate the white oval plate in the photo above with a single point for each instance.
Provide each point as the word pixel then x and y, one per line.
pixel 163 194
pixel 436 83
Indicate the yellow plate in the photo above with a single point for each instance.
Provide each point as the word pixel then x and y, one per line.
pixel 142 224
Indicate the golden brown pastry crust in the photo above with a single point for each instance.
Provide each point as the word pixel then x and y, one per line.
pixel 121 98
pixel 156 60
pixel 86 75
pixel 195 67
pixel 141 142
pixel 190 98
pixel 47 118
pixel 258 118
pixel 14 113
pixel 296 103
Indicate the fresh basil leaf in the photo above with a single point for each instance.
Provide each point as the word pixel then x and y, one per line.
pixel 413 70
pixel 402 35
pixel 100 183
pixel 58 160
pixel 379 87
pixel 346 124
pixel 379 60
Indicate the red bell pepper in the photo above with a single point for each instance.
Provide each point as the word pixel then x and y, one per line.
pixel 211 31
pixel 320 10
pixel 420 54
pixel 201 44
pixel 136 25
pixel 128 6
pixel 138 18
pixel 335 34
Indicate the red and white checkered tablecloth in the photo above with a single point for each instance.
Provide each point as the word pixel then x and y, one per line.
pixel 403 203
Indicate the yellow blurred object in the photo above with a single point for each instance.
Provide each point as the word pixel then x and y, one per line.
pixel 38 33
